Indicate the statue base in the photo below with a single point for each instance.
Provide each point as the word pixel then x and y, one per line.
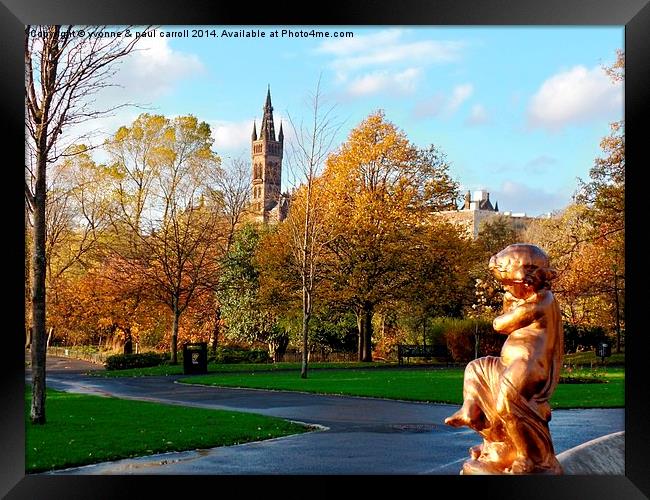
pixel 479 468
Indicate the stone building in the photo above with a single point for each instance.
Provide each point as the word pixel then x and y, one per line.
pixel 476 208
pixel 268 203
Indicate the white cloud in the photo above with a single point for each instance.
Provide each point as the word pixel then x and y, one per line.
pixel 347 46
pixel 150 71
pixel 430 107
pixel 154 68
pixel 232 136
pixel 477 116
pixel 459 95
pixel 424 52
pixel 440 104
pixel 404 81
pixel 575 96
pixel 388 50
pixel 518 197
pixel 540 164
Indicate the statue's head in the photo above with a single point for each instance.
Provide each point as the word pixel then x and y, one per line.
pixel 522 264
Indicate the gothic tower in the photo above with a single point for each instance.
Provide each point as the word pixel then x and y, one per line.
pixel 266 196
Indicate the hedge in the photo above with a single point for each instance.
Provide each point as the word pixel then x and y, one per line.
pixel 141 360
pixel 234 355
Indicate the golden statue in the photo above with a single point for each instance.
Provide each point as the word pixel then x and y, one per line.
pixel 506 398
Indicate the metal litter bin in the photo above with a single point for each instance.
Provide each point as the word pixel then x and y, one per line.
pixel 195 358
pixel 603 350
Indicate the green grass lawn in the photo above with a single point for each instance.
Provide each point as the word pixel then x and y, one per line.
pixel 589 357
pixel 231 367
pixel 432 385
pixel 583 358
pixel 83 429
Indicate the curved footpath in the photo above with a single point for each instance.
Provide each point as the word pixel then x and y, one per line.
pixel 362 435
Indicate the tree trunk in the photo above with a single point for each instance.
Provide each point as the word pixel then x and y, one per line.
pixel 305 345
pixel 214 338
pixel 306 316
pixel 424 333
pixel 50 334
pixel 280 348
pixel 128 341
pixel 367 333
pixel 174 346
pixel 360 328
pixel 618 319
pixel 38 350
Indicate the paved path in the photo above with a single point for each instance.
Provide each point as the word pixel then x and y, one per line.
pixel 363 436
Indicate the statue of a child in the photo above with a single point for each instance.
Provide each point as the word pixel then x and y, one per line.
pixel 506 398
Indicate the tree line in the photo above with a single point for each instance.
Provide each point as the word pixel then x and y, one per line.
pixel 157 244
pixel 154 246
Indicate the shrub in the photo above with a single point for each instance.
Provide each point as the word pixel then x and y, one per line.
pixel 573 375
pixel 142 360
pixel 229 355
pixel 460 337
pixel 578 338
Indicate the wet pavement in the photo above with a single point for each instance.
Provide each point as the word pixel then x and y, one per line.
pixel 360 435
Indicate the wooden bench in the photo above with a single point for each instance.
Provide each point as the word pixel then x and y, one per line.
pixel 415 351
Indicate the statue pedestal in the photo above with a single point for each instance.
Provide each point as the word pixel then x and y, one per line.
pixel 506 398
pixel 479 468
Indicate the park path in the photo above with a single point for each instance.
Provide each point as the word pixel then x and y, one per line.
pixel 361 436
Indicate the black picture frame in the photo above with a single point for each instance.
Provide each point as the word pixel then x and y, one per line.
pixel 633 14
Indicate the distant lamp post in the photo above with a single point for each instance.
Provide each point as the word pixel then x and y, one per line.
pixel 480 309
pixel 617 306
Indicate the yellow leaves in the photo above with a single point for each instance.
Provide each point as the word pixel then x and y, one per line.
pixel 169 135
pixel 113 171
pixel 121 134
pixel 161 154
pixel 137 133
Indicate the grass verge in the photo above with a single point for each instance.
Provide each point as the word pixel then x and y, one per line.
pixel 431 385
pixel 164 370
pixel 589 358
pixel 84 429
pixel 577 359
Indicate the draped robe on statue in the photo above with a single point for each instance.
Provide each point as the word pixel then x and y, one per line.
pixel 506 398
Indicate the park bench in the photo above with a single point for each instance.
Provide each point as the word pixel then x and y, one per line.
pixel 415 351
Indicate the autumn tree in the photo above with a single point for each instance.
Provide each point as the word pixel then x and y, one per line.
pixel 105 305
pixel 310 147
pixel 604 193
pixel 586 240
pixel 232 196
pixel 168 225
pixel 439 282
pixel 245 314
pixel 584 264
pixel 63 75
pixel 376 181
pixel 496 233
pixel 76 215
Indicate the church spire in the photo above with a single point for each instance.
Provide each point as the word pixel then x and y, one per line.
pixel 281 133
pixel 267 130
pixel 254 135
pixel 268 98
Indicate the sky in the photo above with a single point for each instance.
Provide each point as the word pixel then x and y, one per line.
pixel 518 111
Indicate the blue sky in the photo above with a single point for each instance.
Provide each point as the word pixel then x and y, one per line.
pixel 519 111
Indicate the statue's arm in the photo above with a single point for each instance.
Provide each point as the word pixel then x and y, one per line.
pixel 519 317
